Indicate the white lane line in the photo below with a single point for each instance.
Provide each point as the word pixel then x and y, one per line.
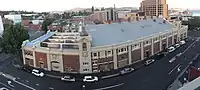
pixel 104 77
pixel 6 86
pixel 172 59
pixel 197 55
pixel 109 87
pixel 174 69
pixel 189 47
pixel 9 83
pixel 24 85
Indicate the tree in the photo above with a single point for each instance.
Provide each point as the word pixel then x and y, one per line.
pixel 12 38
pixel 47 22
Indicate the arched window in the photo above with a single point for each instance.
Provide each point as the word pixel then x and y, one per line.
pixel 84 47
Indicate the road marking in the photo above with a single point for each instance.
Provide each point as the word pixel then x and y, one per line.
pixel 51 88
pixel 37 84
pixel 7 86
pixel 189 47
pixel 174 69
pixel 104 77
pixel 9 83
pixel 24 85
pixel 26 81
pixel 172 60
pixel 109 87
pixel 197 55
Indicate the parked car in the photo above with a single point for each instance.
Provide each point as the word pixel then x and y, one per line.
pixel 177 45
pixel 126 70
pixel 90 79
pixel 3 88
pixel 182 42
pixel 68 78
pixel 37 73
pixel 171 49
pixel 26 69
pixel 147 62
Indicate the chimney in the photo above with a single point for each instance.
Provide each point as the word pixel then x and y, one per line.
pixel 137 18
pixel 151 17
pixel 164 21
pixel 145 18
pixel 129 19
pixel 109 21
pixel 119 20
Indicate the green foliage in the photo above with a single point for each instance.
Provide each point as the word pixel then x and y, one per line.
pixel 47 22
pixel 13 37
pixel 192 23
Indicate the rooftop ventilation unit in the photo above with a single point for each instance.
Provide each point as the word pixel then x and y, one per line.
pixel 145 18
pixel 151 17
pixel 122 30
pixel 154 20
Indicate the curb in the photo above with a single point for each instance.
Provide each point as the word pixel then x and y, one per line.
pixel 109 76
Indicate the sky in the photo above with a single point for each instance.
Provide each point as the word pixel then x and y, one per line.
pixel 60 5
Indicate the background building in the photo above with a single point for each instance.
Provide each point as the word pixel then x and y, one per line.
pixel 1 27
pixel 154 7
pixel 95 48
pixel 111 14
pixel 16 18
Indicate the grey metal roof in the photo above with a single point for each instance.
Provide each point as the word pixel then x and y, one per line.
pixel 107 34
pixel 40 39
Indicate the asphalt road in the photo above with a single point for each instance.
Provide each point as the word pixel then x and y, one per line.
pixel 157 76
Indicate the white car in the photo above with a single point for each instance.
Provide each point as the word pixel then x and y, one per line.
pixel 68 78
pixel 90 79
pixel 126 70
pixel 171 49
pixel 177 45
pixel 147 62
pixel 182 42
pixel 3 88
pixel 37 73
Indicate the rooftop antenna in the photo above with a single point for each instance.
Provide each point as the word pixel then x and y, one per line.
pixel 114 6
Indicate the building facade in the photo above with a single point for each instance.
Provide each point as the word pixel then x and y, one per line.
pixel 1 27
pixel 154 7
pixel 15 18
pixel 111 14
pixel 78 52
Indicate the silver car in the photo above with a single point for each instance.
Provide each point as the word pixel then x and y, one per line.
pixel 68 78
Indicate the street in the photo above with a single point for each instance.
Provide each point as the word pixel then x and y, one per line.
pixel 157 76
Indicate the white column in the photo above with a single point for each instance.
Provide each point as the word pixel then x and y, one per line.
pixel 129 54
pixel 142 51
pixel 34 61
pixel 167 43
pixel 160 44
pixel 23 56
pixel 61 63
pixel 152 47
pixel 115 58
pixel 172 39
pixel 49 61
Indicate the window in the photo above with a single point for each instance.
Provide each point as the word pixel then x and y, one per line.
pixel 108 53
pixel 85 63
pixel 85 69
pixel 84 47
pixel 95 54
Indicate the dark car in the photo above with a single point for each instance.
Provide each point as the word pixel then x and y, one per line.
pixel 26 69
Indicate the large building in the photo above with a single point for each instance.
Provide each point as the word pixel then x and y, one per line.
pixel 154 7
pixel 104 47
pixel 1 27
pixel 16 18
